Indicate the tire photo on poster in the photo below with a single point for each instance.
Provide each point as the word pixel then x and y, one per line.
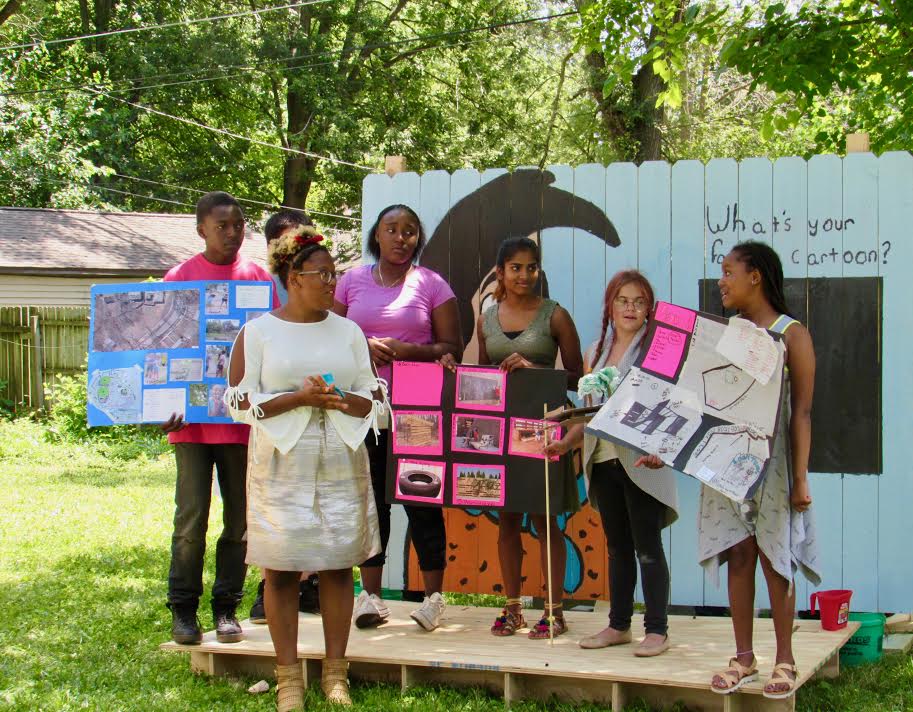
pixel 420 481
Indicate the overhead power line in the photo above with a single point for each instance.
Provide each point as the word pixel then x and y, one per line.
pixel 232 134
pixel 247 69
pixel 111 190
pixel 243 200
pixel 164 25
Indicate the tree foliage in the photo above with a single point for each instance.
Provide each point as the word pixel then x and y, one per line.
pixel 847 63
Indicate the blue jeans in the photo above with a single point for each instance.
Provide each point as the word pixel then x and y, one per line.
pixel 192 495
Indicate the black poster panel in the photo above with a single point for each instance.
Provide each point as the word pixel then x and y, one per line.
pixel 486 455
pixel 844 317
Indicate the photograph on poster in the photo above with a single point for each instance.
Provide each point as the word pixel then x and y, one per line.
pixel 186 369
pixel 155 372
pixel 145 320
pixel 216 407
pixel 222 329
pixel 216 361
pixel 527 437
pixel 420 481
pixel 478 485
pixel 477 433
pixel 199 394
pixel 217 298
pixel 418 432
pixel 481 389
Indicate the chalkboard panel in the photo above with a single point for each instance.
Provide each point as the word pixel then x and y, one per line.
pixel 844 317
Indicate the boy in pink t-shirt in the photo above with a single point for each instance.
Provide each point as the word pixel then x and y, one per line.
pixel 200 446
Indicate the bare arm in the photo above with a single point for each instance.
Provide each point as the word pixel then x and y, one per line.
pixel 800 357
pixel 484 360
pixel 565 333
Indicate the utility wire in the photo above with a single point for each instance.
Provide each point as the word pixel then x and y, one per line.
pixel 232 134
pixel 111 190
pixel 147 28
pixel 278 62
pixel 243 200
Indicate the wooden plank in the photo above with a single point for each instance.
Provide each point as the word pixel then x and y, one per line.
pixel 895 216
pixel 899 623
pixel 434 201
pixel 721 221
pixel 687 206
pixel 376 191
pixel 897 643
pixel 654 219
pixel 756 200
pixel 621 200
pixel 558 246
pixel 825 201
pixel 589 256
pixel 857 231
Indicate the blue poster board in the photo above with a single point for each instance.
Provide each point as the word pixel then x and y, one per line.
pixel 157 348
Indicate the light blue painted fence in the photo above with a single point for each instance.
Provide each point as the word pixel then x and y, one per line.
pixel 827 217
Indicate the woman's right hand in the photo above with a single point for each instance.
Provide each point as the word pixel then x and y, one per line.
pixel 651 461
pixel 381 353
pixel 556 448
pixel 448 362
pixel 317 394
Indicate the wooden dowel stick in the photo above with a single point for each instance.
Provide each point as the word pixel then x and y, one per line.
pixel 548 542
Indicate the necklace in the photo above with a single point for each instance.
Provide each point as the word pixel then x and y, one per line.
pixel 380 276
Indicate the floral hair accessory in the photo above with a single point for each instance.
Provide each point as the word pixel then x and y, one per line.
pixel 308 239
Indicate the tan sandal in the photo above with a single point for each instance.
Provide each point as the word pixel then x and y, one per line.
pixel 508 622
pixel 334 681
pixel 290 688
pixel 540 631
pixel 735 676
pixel 779 677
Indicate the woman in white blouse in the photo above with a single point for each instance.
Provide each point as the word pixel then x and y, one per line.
pixel 309 498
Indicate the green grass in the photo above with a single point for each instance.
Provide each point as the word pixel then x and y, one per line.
pixel 84 541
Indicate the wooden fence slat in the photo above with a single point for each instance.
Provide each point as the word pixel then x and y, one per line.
pixel 589 256
pixel 687 205
pixel 895 216
pixel 825 200
pixel 558 246
pixel 755 200
pixel 376 192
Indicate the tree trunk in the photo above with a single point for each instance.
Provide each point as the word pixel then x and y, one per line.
pixel 10 8
pixel 298 172
pixel 647 117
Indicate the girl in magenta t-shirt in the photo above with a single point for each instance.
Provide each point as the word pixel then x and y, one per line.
pixel 408 313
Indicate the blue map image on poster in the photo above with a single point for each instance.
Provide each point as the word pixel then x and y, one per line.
pixel 157 348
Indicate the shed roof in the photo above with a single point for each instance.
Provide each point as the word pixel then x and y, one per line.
pixel 83 242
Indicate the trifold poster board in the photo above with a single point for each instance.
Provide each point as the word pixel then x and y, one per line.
pixel 472 439
pixel 157 348
pixel 704 395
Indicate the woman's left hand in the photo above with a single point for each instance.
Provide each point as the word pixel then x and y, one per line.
pixel 515 361
pixel 651 461
pixel 801 498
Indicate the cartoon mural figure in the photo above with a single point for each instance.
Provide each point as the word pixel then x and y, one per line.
pixel 463 249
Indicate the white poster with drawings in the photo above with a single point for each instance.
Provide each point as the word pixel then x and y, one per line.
pixel 704 395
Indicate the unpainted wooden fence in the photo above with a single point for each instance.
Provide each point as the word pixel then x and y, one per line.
pixel 38 345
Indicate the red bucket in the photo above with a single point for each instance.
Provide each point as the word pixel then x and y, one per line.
pixel 835 608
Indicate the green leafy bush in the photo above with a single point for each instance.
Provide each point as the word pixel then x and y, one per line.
pixel 6 405
pixel 67 423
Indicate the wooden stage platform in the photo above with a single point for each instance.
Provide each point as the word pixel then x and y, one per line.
pixel 463 652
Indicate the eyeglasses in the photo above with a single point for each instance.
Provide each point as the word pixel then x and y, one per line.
pixel 639 305
pixel 325 275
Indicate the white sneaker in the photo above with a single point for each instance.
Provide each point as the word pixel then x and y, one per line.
pixel 429 615
pixel 370 610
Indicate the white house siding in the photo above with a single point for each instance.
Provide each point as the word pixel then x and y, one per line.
pixel 22 290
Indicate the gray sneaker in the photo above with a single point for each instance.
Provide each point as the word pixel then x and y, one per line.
pixel 370 611
pixel 428 616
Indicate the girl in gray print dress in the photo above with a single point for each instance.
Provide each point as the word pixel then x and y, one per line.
pixel 523 330
pixel 775 525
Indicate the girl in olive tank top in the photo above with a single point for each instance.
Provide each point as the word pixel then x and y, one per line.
pixel 524 330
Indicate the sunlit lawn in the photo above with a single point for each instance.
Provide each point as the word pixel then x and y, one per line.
pixel 83 565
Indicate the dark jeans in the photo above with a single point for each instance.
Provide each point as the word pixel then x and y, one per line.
pixel 192 496
pixel 426 524
pixel 632 521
